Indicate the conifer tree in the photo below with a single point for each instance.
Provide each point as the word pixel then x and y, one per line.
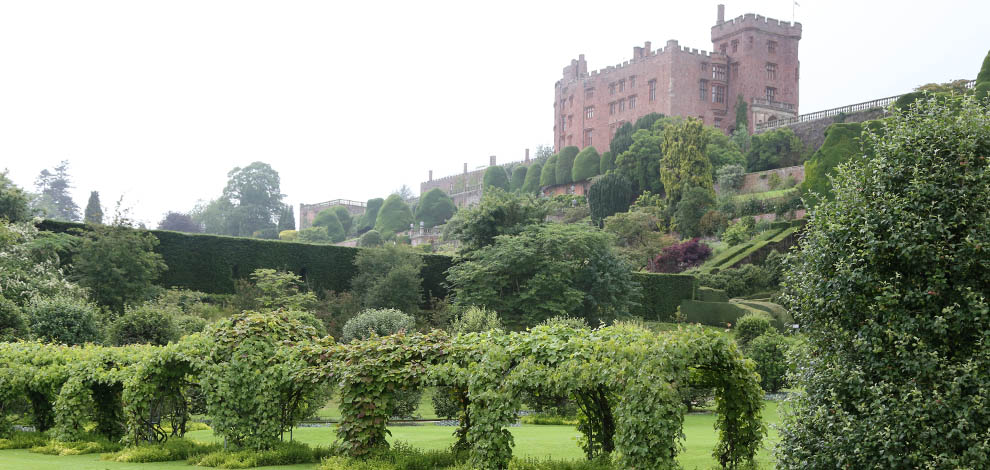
pixel 287 218
pixel 94 212
pixel 684 163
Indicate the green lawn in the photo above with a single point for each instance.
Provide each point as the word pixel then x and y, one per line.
pixel 558 442
pixel 765 194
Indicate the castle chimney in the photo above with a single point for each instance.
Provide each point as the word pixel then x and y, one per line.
pixel 465 168
pixel 527 155
pixel 647 46
pixel 721 14
pixel 492 160
pixel 431 176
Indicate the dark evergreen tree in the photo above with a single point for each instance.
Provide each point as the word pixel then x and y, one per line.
pixel 607 163
pixel 496 176
pixel 287 218
pixel 565 165
pixel 394 216
pixel 548 175
pixel 13 201
pixel 435 208
pixel 609 195
pixel 344 216
pixel 367 220
pixel 533 174
pixel 94 212
pixel 327 218
pixel 586 164
pixel 55 199
pixel 179 222
pixel 518 178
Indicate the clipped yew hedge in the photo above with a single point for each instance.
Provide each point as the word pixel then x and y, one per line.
pixel 212 263
pixel 662 294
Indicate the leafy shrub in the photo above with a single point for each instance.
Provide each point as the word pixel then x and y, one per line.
pixel 64 320
pixel 532 183
pixel 750 326
pixel 586 164
pixel 189 324
pixel 89 444
pixel 23 440
pixel 740 231
pixel 389 277
pixel 476 320
pixel 314 235
pixel 436 207
pixel 281 290
pixel 370 239
pixel 380 322
pixel 677 258
pixel 742 281
pixel 12 323
pixel 730 177
pixel 549 420
pixel 172 450
pixel 499 213
pixel 284 453
pixel 146 324
pixel 518 178
pixel 496 176
pixel 117 264
pixel 564 171
pixel 712 222
pixel 326 219
pixel 769 352
pixel 394 216
pixel 345 218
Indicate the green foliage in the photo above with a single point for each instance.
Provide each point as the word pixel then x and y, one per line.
pixel 496 176
pixel 730 177
pixel 281 290
pixel 370 239
pixel 742 114
pixel 389 277
pixel 662 294
pixel 742 281
pixel 286 218
pixel 607 163
pixel 117 264
pixel 55 201
pixel 769 352
pixel 498 213
pixel 326 219
pixel 30 266
pixel 694 204
pixel 842 143
pixel 641 163
pixel 171 450
pixel 683 165
pixel 546 271
pixel 378 322
pixel 712 223
pixel 476 320
pixel 750 326
pixel 315 235
pixel 94 212
pixel 623 138
pixel 394 215
pixel 609 195
pixel 890 288
pixel 144 324
pixel 531 185
pixel 63 320
pixel 587 164
pixel 283 453
pixel 13 326
pixel 548 175
pixel 518 179
pixel 740 231
pixel 721 150
pixel 367 220
pixel 435 208
pixel 255 199
pixel 344 216
pixel 720 314
pixel 638 238
pixel 707 294
pixel 777 148
pixel 564 169
pixel 13 201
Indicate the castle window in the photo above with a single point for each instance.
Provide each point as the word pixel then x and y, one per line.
pixel 703 90
pixel 735 45
pixel 772 47
pixel 704 68
pixel 611 88
pixel 735 69
pixel 653 90
pixel 771 94
pixel 718 93
pixel 771 71
pixel 589 93
pixel 589 112
pixel 587 137
pixel 718 72
pixel 611 108
pixel 563 123
pixel 632 102
pixel 632 81
pixel 570 100
pixel 622 105
pixel 622 85
pixel 724 48
pixel 718 123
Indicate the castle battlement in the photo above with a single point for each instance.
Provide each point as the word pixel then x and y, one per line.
pixel 641 55
pixel 751 21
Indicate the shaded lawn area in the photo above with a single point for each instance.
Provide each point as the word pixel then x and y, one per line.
pixel 557 442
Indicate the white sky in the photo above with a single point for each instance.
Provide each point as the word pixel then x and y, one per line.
pixel 157 101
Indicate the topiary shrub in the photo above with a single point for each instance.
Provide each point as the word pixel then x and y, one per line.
pixel 518 178
pixel 63 319
pixel 146 324
pixel 750 326
pixel 380 322
pixel 345 218
pixel 394 216
pixel 495 176
pixel 326 219
pixel 435 208
pixel 607 163
pixel 532 183
pixel 769 352
pixel 565 165
pixel 890 288
pixel 548 176
pixel 370 239
pixel 587 164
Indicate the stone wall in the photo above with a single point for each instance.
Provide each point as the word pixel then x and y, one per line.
pixel 759 182
pixel 812 133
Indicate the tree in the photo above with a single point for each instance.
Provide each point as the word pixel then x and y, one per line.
pixel 327 219
pixel 622 140
pixel 13 325
pixel 890 289
pixel 742 114
pixel 13 201
pixel 640 164
pixel 435 208
pixel 94 212
pixel 638 238
pixel 344 216
pixel 721 150
pixel 367 220
pixel 495 176
pixel 681 256
pixel 388 277
pixel 254 191
pixel 532 183
pixel 213 216
pixel 695 203
pixel 546 271
pixel 608 195
pixel 370 239
pixel 586 164
pixel 117 264
pixel 317 235
pixel 548 175
pixel 394 216
pixel 843 142
pixel 607 163
pixel 683 164
pixel 287 218
pixel 404 192
pixel 563 172
pixel 54 190
pixel 63 319
pixel 778 148
pixel 730 177
pixel 498 213
pixel 179 222
pixel 518 178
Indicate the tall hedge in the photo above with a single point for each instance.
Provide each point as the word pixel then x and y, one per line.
pixel 842 143
pixel 394 216
pixel 367 220
pixel 607 163
pixel 662 294
pixel 565 165
pixel 211 263
pixel 435 208
pixel 983 79
pixel 587 163
pixel 518 178
pixel 327 218
pixel 496 176
pixel 548 176
pixel 609 195
pixel 345 218
pixel 532 183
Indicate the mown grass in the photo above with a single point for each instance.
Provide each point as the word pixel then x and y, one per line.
pixel 778 193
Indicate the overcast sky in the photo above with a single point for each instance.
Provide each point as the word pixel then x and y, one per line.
pixel 157 101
